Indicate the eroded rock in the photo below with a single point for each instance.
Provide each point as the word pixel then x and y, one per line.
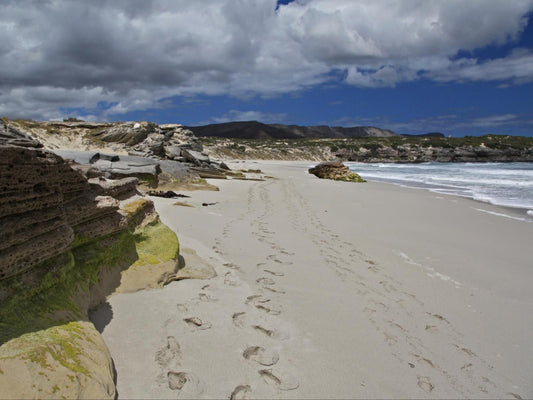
pixel 65 243
pixel 335 170
pixel 66 361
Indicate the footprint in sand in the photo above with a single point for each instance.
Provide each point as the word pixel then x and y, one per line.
pixel 205 297
pixel 265 281
pixel 274 334
pixel 439 317
pixel 424 360
pixel 256 299
pixel 468 352
pixel 268 310
pixel 168 353
pixel 231 266
pixel 231 280
pixel 467 366
pixel 424 383
pixel 281 380
pixel 279 291
pixel 389 338
pixel 181 308
pixel 239 393
pixel 265 331
pixel 238 319
pixel 275 273
pixel 261 356
pixel 197 323
pixel 274 258
pixel 186 383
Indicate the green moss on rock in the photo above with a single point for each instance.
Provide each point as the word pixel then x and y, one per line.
pixel 50 301
pixel 336 171
pixel 352 177
pixel 155 243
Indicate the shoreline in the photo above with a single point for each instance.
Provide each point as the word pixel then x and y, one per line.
pixel 332 289
pixel 455 188
pixel 517 213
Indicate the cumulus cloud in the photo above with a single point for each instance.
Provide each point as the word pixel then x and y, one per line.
pixel 105 58
pixel 517 68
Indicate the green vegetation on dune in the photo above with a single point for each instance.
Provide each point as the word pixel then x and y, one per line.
pixel 307 148
pixel 491 141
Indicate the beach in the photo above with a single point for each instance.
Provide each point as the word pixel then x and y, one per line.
pixel 331 289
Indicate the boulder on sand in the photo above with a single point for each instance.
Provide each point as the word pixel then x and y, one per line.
pixel 335 170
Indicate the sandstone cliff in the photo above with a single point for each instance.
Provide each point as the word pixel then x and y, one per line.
pixel 66 242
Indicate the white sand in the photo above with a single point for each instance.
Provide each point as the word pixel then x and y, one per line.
pixel 363 291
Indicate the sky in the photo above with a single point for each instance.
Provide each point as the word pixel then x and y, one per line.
pixel 460 67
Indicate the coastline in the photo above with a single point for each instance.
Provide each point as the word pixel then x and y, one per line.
pixel 352 290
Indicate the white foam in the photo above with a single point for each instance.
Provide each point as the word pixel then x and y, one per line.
pixel 430 271
pixel 530 212
pixel 508 185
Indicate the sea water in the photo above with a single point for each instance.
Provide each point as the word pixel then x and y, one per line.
pixel 503 184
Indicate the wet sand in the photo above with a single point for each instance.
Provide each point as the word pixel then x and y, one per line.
pixel 332 290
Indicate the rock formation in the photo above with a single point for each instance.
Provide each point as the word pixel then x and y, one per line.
pixel 412 153
pixel 336 171
pixel 11 135
pixel 121 149
pixel 68 237
pixel 139 138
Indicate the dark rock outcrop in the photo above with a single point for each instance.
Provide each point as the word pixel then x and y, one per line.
pixel 336 171
pixel 12 136
pixel 409 153
pixel 113 166
pixel 129 133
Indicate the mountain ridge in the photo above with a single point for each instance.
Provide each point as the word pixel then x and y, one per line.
pixel 259 130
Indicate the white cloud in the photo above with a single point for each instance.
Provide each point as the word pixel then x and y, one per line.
pixel 73 54
pixel 517 67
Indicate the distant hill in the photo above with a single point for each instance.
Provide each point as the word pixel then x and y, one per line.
pixel 258 130
pixel 428 135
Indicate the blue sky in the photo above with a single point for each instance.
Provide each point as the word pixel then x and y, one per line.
pixel 460 67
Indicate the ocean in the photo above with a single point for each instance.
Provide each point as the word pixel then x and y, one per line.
pixel 502 184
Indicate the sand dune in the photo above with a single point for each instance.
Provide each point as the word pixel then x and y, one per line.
pixel 332 290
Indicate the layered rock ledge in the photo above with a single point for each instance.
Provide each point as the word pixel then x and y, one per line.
pixel 66 242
